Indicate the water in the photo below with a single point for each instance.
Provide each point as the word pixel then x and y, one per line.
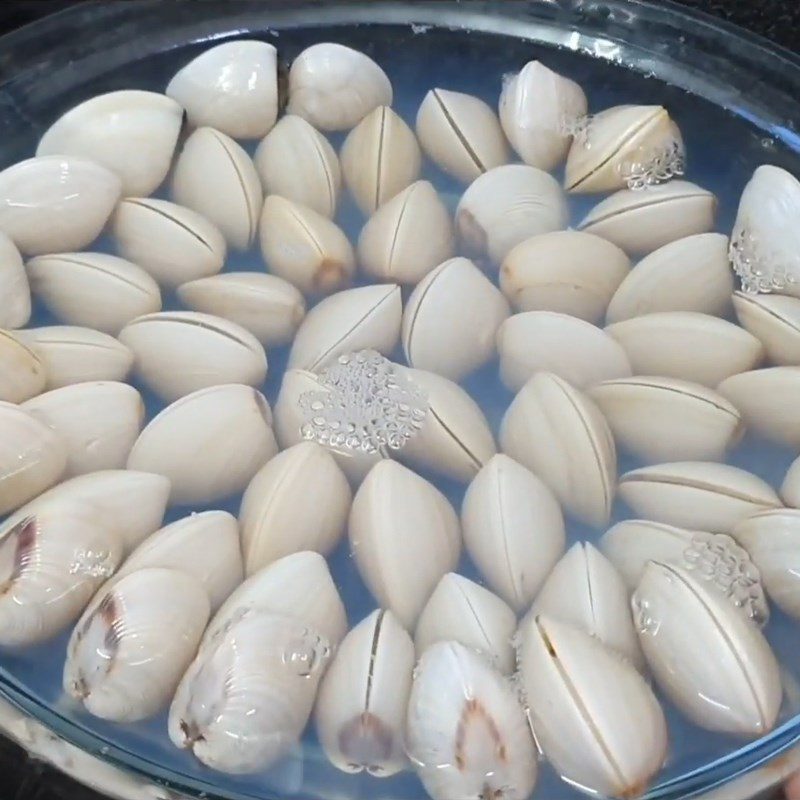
pixel 722 151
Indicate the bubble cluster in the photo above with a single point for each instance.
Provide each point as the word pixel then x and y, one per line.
pixel 643 617
pixel 654 166
pixel 758 272
pixel 577 126
pixel 92 564
pixel 306 654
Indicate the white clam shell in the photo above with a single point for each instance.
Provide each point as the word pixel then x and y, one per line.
pixel 54 204
pixel 596 719
pixel 297 162
pixel 133 642
pixel 95 290
pixel 407 236
pixel 404 536
pixel 790 488
pixel 460 134
pixel 507 205
pixel 697 495
pixel 304 247
pixel 299 500
pixel 687 345
pixel 462 611
pixel 232 87
pixel 173 243
pixel 691 274
pixel 334 87
pixel 508 510
pixel 566 271
pixel 362 701
pixel 14 289
pixel 131 133
pixel 547 341
pixel 22 372
pixel 681 620
pixel 467 733
pixel 560 435
pixel 775 320
pixel 97 422
pixel 666 419
pixel 266 305
pixel 437 335
pixel 642 220
pixel 180 352
pixel 209 443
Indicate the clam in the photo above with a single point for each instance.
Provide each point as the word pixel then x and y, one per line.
pixel 666 419
pixel 681 619
pixel 538 108
pixel 775 320
pixel 697 495
pixel 560 435
pixel 334 87
pixel 437 336
pixel 507 205
pixel 380 157
pixel 209 443
pixel 14 289
pixel 95 290
pixel 298 500
pixel 131 133
pixel 596 719
pixel 404 536
pixel 217 178
pixel 466 731
pixel 180 352
pixel 547 341
pixel 565 271
pixel 508 510
pixel 362 702
pixel 128 651
pixel 52 204
pixel 460 134
pixel 687 345
pixel 305 247
pixel 642 220
pixel 625 146
pixel 790 488
pixel 462 611
pixel 297 162
pixel 22 372
pixel 407 236
pixel 690 274
pixel 266 305
pixel 173 243
pixel 97 422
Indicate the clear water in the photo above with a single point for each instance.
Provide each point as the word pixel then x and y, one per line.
pixel 722 152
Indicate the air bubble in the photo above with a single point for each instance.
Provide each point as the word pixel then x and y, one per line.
pixel 652 167
pixel 306 655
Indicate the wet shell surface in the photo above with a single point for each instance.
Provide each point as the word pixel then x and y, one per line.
pixel 22 371
pixel 14 289
pixel 775 321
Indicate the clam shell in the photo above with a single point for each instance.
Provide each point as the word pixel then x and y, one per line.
pixel 131 133
pixel 565 271
pixel 546 341
pixel 22 373
pixel 790 488
pixel 180 352
pixel 404 537
pixel 14 289
pixel 361 706
pixel 209 443
pixel 560 435
pixel 437 336
pixel 775 320
pixel 508 510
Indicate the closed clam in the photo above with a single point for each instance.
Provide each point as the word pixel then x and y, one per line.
pixel 173 243
pixel 404 536
pixel 95 290
pixel 14 289
pixel 53 204
pixel 216 177
pixel 566 271
pixel 508 510
pixel 547 341
pixel 407 236
pixel 22 372
pixel 131 133
pixel 362 702
pixel 666 419
pixel 560 435
pixel 437 336
pixel 180 352
pixel 596 719
pixel 697 495
pixel 775 320
pixel 790 488
pixel 209 443
pixel 460 134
